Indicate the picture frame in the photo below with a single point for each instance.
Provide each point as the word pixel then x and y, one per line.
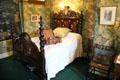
pixel 35 18
pixel 37 1
pixel 107 15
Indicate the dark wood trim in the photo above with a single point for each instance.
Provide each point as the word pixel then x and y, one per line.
pixel 68 18
pixel 42 52
pixel 36 2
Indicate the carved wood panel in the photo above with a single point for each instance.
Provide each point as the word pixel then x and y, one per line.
pixel 69 22
pixel 70 19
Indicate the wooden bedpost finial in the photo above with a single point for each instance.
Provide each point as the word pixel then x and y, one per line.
pixel 41 27
pixel 41 35
pixel 81 21
pixel 41 23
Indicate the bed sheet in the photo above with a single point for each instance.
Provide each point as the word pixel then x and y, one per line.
pixel 59 55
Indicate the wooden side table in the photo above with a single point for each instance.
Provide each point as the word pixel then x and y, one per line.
pixel 116 68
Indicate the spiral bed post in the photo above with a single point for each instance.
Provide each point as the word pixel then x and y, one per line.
pixel 42 52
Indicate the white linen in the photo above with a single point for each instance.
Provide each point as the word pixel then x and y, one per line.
pixel 61 54
pixel 79 50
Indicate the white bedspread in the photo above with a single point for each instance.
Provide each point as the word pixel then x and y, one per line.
pixel 59 55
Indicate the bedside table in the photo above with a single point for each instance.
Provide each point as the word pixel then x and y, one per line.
pixel 116 73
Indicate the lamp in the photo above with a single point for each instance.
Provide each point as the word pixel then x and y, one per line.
pixel 61 4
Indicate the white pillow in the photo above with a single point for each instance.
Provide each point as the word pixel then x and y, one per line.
pixel 61 32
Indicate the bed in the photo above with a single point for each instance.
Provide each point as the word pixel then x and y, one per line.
pixel 56 57
pixel 59 55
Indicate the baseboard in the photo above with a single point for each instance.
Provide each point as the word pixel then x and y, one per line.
pixel 4 55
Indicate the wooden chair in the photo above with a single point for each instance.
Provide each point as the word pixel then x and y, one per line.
pixel 102 63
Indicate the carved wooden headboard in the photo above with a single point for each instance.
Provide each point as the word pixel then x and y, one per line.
pixel 71 20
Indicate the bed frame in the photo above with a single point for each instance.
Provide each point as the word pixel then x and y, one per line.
pixel 72 21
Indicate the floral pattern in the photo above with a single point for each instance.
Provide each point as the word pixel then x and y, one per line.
pixel 107 35
pixel 9 14
pixel 40 10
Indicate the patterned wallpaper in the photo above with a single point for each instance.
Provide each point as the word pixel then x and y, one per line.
pixel 76 5
pixel 89 10
pixel 35 9
pixel 107 35
pixel 8 14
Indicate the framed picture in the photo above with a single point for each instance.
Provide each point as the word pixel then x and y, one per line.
pixel 37 1
pixel 35 18
pixel 107 15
